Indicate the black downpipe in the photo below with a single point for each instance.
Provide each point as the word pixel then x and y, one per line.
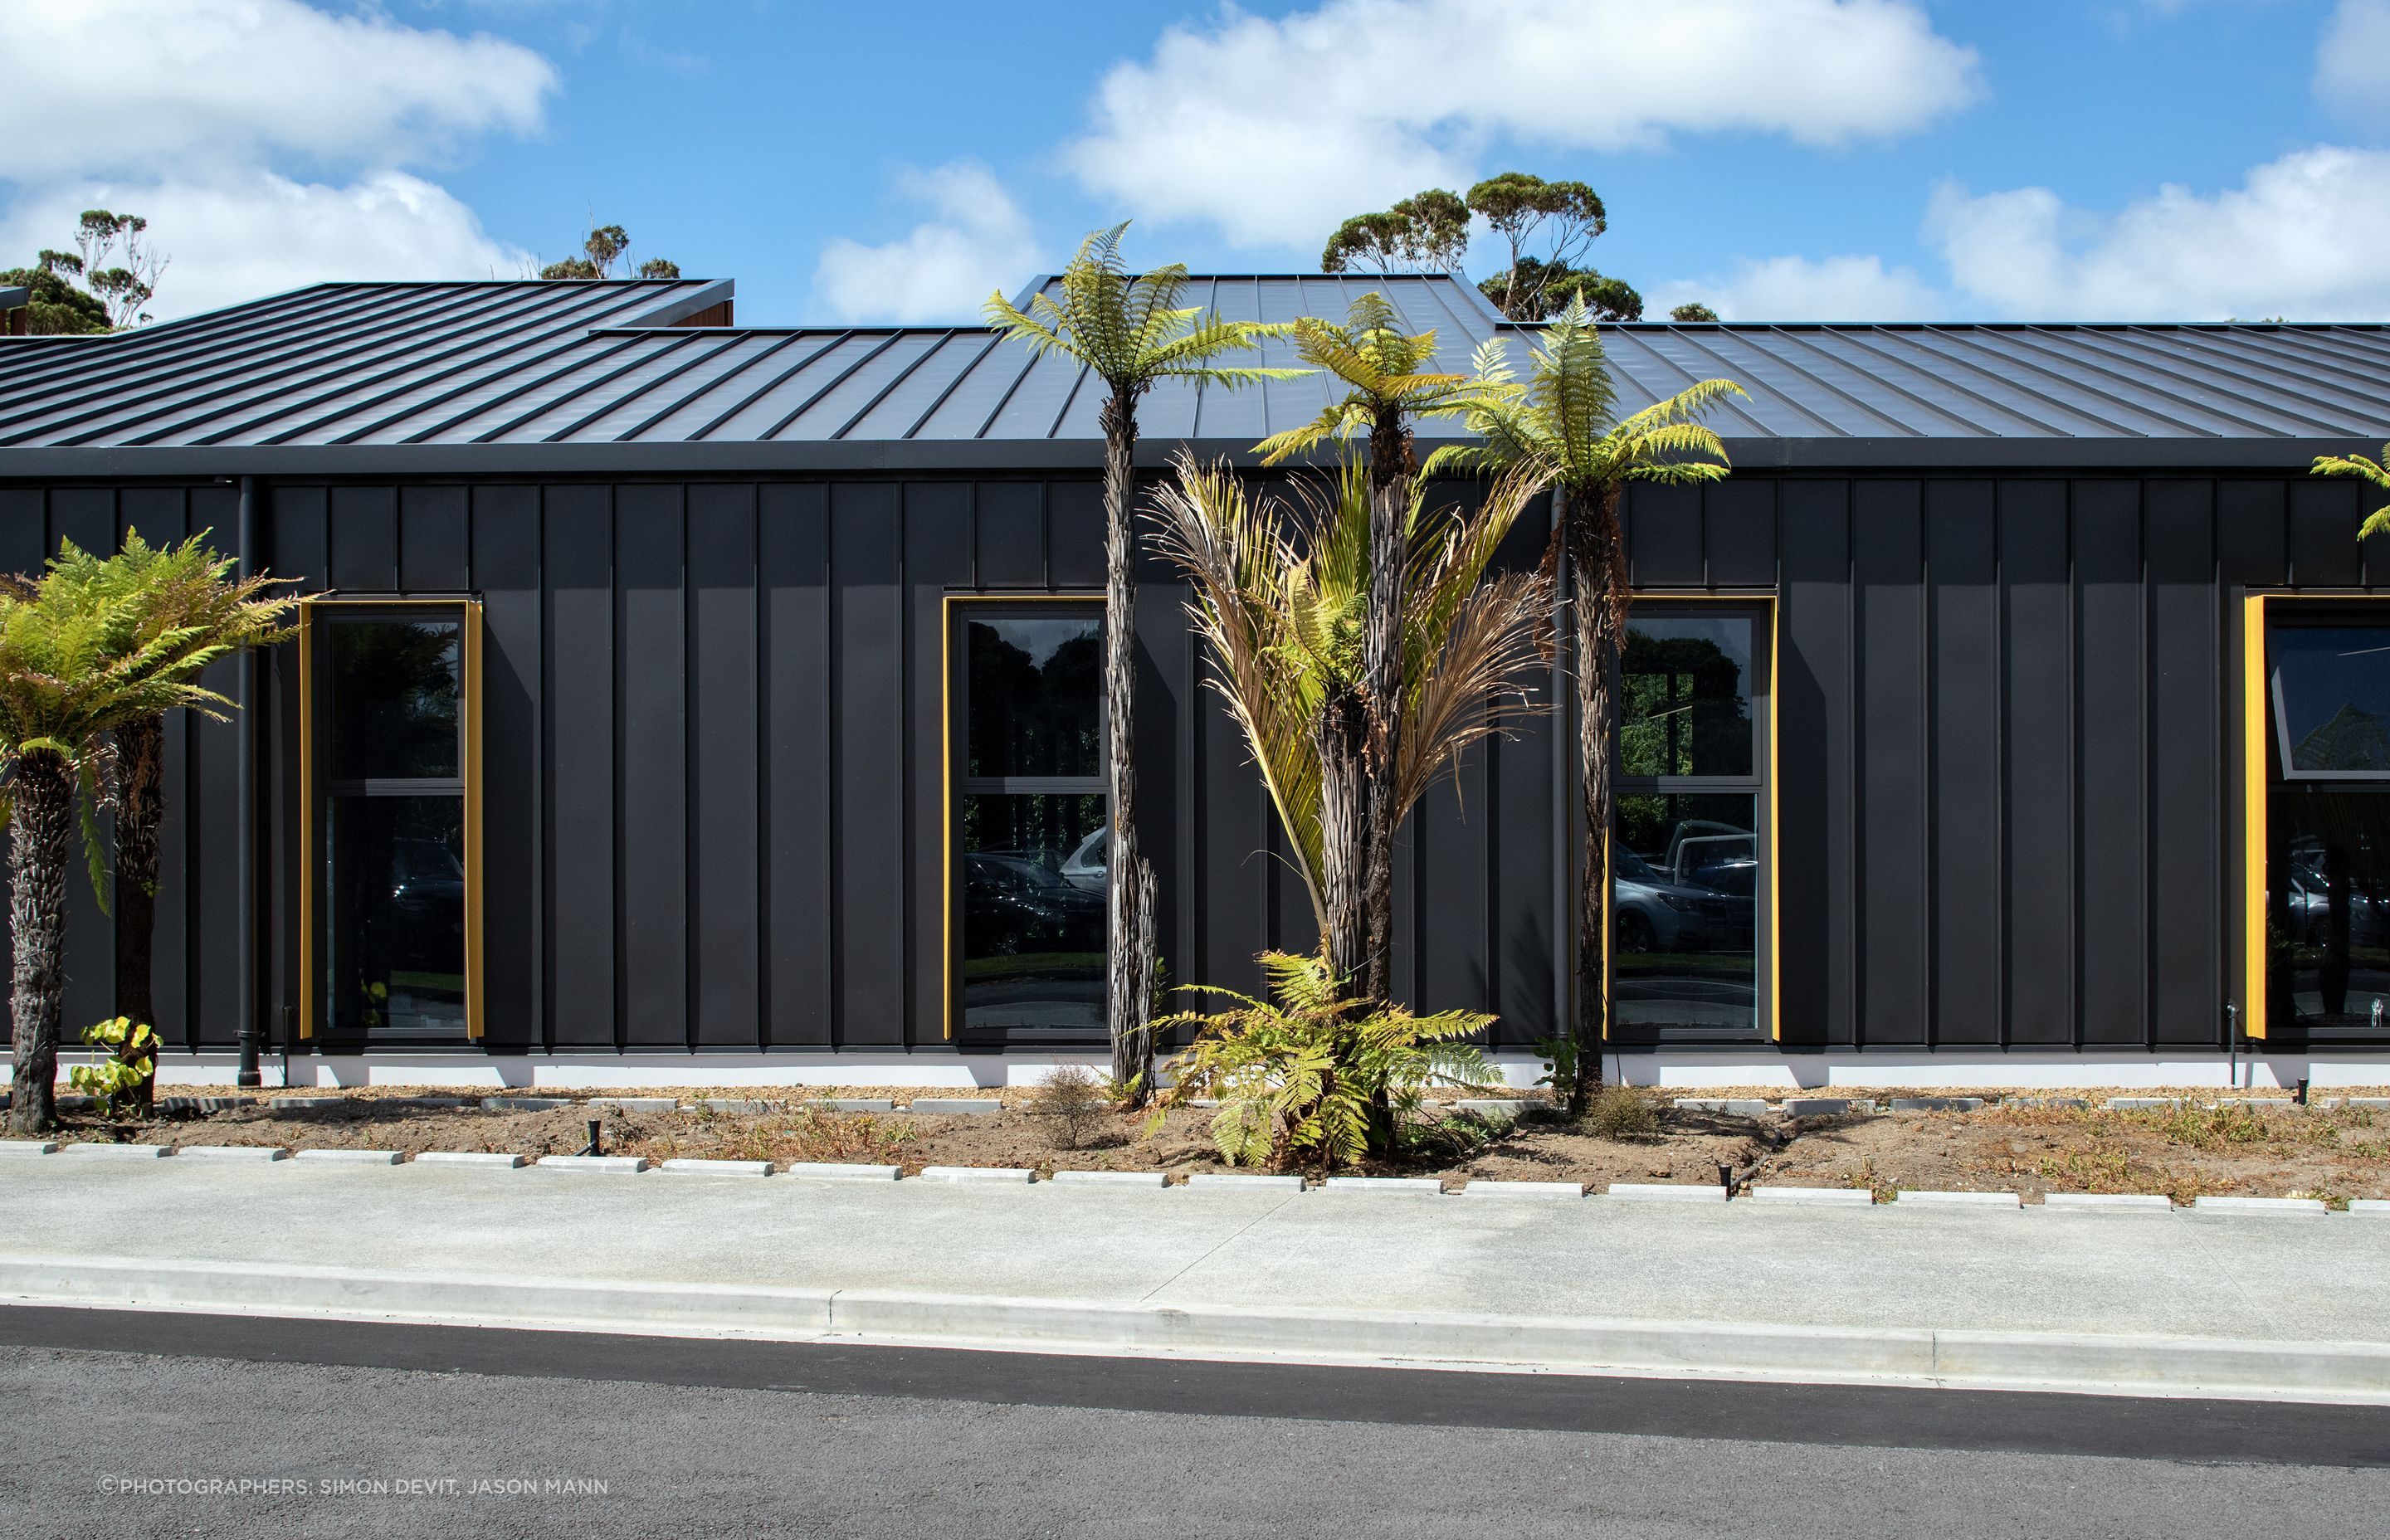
pixel 246 839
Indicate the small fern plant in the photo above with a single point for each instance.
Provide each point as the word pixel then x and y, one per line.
pixel 132 1060
pixel 2377 472
pixel 1313 1079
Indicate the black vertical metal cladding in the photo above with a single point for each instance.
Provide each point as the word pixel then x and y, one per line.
pixel 1815 861
pixel 1895 898
pixel 577 578
pixel 1164 719
pixel 1962 607
pixel 654 812
pixel 1739 532
pixel 2112 769
pixel 937 561
pixel 363 553
pixel 867 743
pixel 432 540
pixel 2187 687
pixel 2324 516
pixel 1074 536
pixel 158 514
pixel 724 925
pixel 2037 887
pixel 1010 536
pixel 1663 536
pixel 798 659
pixel 2251 523
pixel 506 572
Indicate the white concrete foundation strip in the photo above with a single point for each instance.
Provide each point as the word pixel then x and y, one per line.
pixel 955 1106
pixel 497 1161
pixel 1844 1198
pixel 350 1156
pixel 1961 1200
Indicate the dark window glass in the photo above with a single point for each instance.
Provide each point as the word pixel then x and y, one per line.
pixel 1685 707
pixel 2328 910
pixel 1036 691
pixel 2332 699
pixel 1032 910
pixel 394 929
pixel 1684 912
pixel 393 700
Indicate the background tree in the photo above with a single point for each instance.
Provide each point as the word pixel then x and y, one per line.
pixel 100 285
pixel 1541 290
pixel 1562 422
pixel 606 245
pixel 1130 332
pixel 1285 593
pixel 1692 311
pixel 1425 233
pixel 1388 386
pixel 173 590
pixel 74 666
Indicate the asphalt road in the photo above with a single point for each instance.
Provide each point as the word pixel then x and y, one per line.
pixel 347 1430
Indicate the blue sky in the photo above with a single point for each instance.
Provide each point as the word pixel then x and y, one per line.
pixel 1778 159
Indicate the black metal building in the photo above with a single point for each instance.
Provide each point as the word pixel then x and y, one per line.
pixel 680 694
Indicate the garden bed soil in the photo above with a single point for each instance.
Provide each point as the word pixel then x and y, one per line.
pixel 2265 1149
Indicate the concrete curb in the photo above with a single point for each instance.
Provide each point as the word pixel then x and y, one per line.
pixel 1416 1186
pixel 841 1171
pixel 29 1147
pixel 1835 1198
pixel 1244 1179
pixel 2119 1365
pixel 1110 1178
pixel 350 1156
pixel 117 1151
pixel 1665 1192
pixel 2126 1203
pixel 2369 1208
pixel 472 1158
pixel 1013 1175
pixel 258 1152
pixel 1961 1200
pixel 1487 1187
pixel 2285 1206
pixel 691 1166
pixel 594 1165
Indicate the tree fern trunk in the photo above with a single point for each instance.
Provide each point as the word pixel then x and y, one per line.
pixel 1391 470
pixel 1128 886
pixel 1599 556
pixel 42 821
pixel 140 752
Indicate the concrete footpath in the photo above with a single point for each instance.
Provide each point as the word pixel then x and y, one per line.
pixel 2288 1306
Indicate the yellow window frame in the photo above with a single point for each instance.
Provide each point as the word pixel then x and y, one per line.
pixel 310 780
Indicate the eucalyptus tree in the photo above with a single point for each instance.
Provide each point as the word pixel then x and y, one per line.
pixel 181 589
pixel 1562 422
pixel 1389 385
pixel 75 665
pixel 1131 332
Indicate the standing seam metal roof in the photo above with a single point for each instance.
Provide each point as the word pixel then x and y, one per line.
pixel 523 363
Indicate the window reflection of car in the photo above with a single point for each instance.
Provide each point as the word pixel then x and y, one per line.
pixel 2310 904
pixel 1015 901
pixel 1083 867
pixel 1650 912
pixel 426 877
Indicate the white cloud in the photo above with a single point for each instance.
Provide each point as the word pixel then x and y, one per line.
pixel 1276 129
pixel 1800 288
pixel 2352 72
pixel 2302 237
pixel 266 142
pixel 126 85
pixel 944 268
pixel 254 233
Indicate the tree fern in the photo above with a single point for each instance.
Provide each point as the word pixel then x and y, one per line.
pixel 2370 470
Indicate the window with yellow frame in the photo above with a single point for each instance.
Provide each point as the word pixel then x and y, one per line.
pixel 389 942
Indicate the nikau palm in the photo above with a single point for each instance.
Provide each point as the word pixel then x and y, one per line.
pixel 1286 596
pixel 1388 387
pixel 1563 423
pixel 183 588
pixel 1130 332
pixel 74 667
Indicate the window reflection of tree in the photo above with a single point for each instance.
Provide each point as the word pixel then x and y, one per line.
pixel 394 686
pixel 1036 719
pixel 1685 711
